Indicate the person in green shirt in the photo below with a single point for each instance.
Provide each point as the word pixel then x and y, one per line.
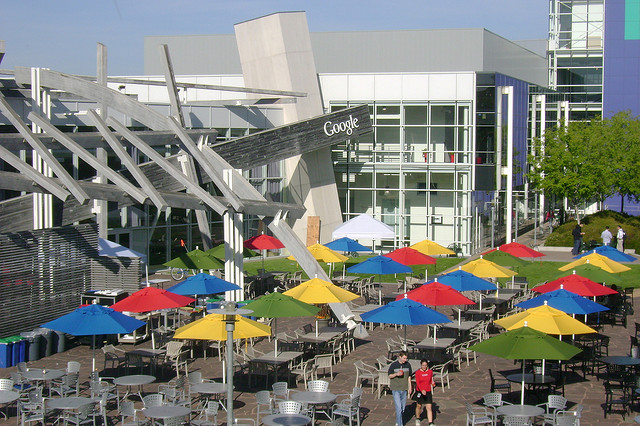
pixel 400 384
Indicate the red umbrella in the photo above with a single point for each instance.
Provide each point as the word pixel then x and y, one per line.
pixel 437 294
pixel 151 299
pixel 263 242
pixel 576 284
pixel 519 250
pixel 408 256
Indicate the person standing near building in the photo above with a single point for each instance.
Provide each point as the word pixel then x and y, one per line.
pixel 606 236
pixel 424 386
pixel 400 384
pixel 577 239
pixel 620 236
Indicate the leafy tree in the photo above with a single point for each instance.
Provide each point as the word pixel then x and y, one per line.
pixel 589 160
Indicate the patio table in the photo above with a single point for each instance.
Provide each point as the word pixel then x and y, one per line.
pixel 273 361
pixel 152 354
pixel 520 410
pixel 6 398
pixel 620 360
pixel 286 420
pixel 314 399
pixel 209 388
pixel 138 380
pixel 68 403
pixel 44 376
pixel 166 411
pixel 436 348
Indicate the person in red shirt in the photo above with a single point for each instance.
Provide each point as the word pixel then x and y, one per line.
pixel 424 386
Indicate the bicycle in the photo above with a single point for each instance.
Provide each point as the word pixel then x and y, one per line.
pixel 179 273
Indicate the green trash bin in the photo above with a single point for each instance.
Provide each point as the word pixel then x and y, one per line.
pixel 6 348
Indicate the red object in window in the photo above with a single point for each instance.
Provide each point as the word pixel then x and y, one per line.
pixel 426 157
pixel 451 158
pixel 182 243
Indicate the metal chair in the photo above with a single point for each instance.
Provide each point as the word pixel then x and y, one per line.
pixel 73 367
pixel 324 361
pixel 349 408
pixel 499 384
pixel 69 384
pixel 280 391
pixel 554 403
pixel 477 415
pixel 112 356
pixel 153 400
pixel 615 396
pixel 494 400
pixel 6 384
pixel 304 369
pixel 264 403
pixel 567 418
pixel 516 421
pixel 365 371
pixel 208 412
pixel 100 387
pixel 441 374
pixel 318 386
pixel 82 416
pixel 289 407
pixel 128 410
pixel 383 382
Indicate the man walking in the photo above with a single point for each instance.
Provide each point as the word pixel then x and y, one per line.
pixel 606 236
pixel 424 386
pixel 577 239
pixel 620 236
pixel 400 384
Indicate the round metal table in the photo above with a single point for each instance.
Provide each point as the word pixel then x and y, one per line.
pixel 531 379
pixel 313 399
pixel 7 397
pixel 166 411
pixel 620 360
pixel 138 380
pixel 520 410
pixel 69 402
pixel 210 388
pixel 286 420
pixel 44 376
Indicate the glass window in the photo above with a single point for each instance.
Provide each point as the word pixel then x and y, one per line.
pixel 443 115
pixel 415 115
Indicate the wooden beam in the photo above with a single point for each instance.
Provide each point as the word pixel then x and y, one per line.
pixel 86 156
pixel 36 177
pixel 38 146
pixel 172 170
pixel 128 162
pixel 95 92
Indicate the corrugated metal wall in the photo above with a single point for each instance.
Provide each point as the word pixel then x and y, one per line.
pixel 42 274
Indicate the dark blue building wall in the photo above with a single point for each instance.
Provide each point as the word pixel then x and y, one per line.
pixel 520 115
pixel 621 89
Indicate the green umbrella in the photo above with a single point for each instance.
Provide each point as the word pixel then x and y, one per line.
pixel 503 258
pixel 218 252
pixel 526 343
pixel 277 305
pixel 195 259
pixel 594 273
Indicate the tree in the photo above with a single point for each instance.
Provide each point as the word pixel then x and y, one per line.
pixel 568 163
pixel 589 160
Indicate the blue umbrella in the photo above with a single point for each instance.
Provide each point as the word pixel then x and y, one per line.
pixel 346 244
pixel 379 265
pixel 464 281
pixel 92 320
pixel 405 312
pixel 202 284
pixel 611 252
pixel 566 301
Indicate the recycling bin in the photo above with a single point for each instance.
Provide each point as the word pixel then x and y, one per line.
pixel 33 345
pixel 46 346
pixel 6 347
pixel 18 351
pixel 59 341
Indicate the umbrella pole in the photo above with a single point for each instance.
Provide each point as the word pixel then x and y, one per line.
pixel 435 331
pixel 405 337
pixel 93 365
pixel 275 334
pixel 522 392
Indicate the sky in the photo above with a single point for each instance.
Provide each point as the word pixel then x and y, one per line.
pixel 62 34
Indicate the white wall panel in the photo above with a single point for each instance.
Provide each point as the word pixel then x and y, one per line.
pixel 361 87
pixel 333 87
pixel 415 87
pixel 388 87
pixel 465 86
pixel 442 87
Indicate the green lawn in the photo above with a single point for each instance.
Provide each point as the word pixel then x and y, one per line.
pixel 538 272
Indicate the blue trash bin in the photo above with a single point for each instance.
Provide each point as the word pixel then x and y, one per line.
pixel 18 351
pixel 6 347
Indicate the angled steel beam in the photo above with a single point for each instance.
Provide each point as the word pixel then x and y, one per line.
pixel 35 176
pixel 95 92
pixel 170 80
pixel 86 156
pixel 128 162
pixel 172 170
pixel 212 164
pixel 38 146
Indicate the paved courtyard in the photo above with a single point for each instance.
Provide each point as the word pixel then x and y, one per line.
pixel 466 385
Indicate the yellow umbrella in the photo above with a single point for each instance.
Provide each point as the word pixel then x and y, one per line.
pixel 430 248
pixel 317 291
pixel 484 268
pixel 323 254
pixel 213 327
pixel 546 319
pixel 598 260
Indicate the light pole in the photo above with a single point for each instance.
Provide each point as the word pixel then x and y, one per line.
pixel 229 310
